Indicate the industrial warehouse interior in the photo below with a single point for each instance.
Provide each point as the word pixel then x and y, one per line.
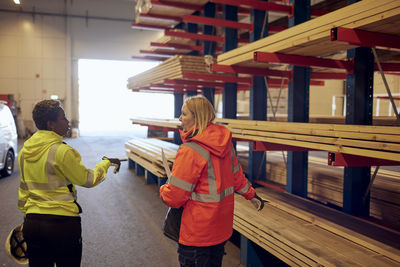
pixel 308 89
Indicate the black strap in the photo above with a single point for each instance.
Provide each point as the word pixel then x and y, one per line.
pixel 70 186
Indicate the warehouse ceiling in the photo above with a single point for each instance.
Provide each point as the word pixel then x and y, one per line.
pixel 122 10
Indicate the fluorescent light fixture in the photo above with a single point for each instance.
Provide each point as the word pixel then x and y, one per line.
pixel 17 2
pixel 54 97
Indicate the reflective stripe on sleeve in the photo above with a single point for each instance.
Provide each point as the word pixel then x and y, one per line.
pixel 90 179
pixel 181 184
pixel 244 189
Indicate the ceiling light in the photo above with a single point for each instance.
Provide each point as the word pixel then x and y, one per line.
pixel 17 2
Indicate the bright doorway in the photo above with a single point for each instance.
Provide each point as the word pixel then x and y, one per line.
pixel 106 104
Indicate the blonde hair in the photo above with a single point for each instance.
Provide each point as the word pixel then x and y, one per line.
pixel 202 111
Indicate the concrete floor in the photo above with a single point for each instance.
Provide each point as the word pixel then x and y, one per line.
pixel 122 217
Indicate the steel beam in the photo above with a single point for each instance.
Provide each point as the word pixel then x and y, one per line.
pixel 216 77
pixel 256 4
pixel 348 160
pixel 365 38
pixel 302 60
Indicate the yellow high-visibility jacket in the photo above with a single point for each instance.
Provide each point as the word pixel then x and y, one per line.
pixel 49 171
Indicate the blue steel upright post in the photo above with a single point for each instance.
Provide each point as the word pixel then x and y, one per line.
pixel 258 98
pixel 359 105
pixel 193 28
pixel 209 46
pixel 229 96
pixel 298 110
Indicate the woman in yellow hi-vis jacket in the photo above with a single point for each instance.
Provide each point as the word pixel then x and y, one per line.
pixel 50 170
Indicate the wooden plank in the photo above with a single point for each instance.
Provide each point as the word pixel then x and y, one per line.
pixel 362 14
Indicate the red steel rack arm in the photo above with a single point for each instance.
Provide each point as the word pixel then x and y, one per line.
pixel 348 160
pixel 217 77
pixel 196 36
pixel 142 26
pixel 177 4
pixel 195 83
pixel 274 73
pixel 328 75
pixel 365 38
pixel 218 22
pixel 303 61
pixel 272 28
pixel 388 67
pixel 250 70
pixel 266 146
pixel 256 4
pixel 177 46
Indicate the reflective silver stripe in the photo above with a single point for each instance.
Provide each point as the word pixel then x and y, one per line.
pixel 90 179
pixel 212 186
pixel 181 184
pixel 213 198
pixel 244 189
pixel 234 168
pixel 52 184
pixel 213 195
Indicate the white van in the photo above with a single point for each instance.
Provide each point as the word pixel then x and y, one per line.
pixel 8 140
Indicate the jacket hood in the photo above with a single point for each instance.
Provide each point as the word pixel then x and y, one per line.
pixel 39 143
pixel 215 138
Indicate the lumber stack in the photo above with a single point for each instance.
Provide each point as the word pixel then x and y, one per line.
pixel 303 233
pixel 325 184
pixel 382 142
pixel 172 68
pixel 147 153
pixel 157 8
pixel 312 38
pixel 164 123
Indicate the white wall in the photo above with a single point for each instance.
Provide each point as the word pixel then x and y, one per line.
pixel 38 54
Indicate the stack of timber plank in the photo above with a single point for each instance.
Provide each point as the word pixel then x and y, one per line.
pixel 172 68
pixel 303 233
pixel 382 142
pixel 325 184
pixel 173 40
pixel 165 123
pixel 312 38
pixel 147 153
pixel 171 11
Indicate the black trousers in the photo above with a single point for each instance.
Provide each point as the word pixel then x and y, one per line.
pixel 211 256
pixel 53 239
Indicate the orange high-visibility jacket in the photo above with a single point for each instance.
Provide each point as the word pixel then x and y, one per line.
pixel 204 177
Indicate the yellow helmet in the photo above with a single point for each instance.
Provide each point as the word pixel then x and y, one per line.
pixel 16 246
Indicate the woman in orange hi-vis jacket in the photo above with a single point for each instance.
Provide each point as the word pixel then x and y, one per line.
pixel 204 178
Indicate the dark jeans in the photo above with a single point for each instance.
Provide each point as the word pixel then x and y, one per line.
pixel 201 256
pixel 53 239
